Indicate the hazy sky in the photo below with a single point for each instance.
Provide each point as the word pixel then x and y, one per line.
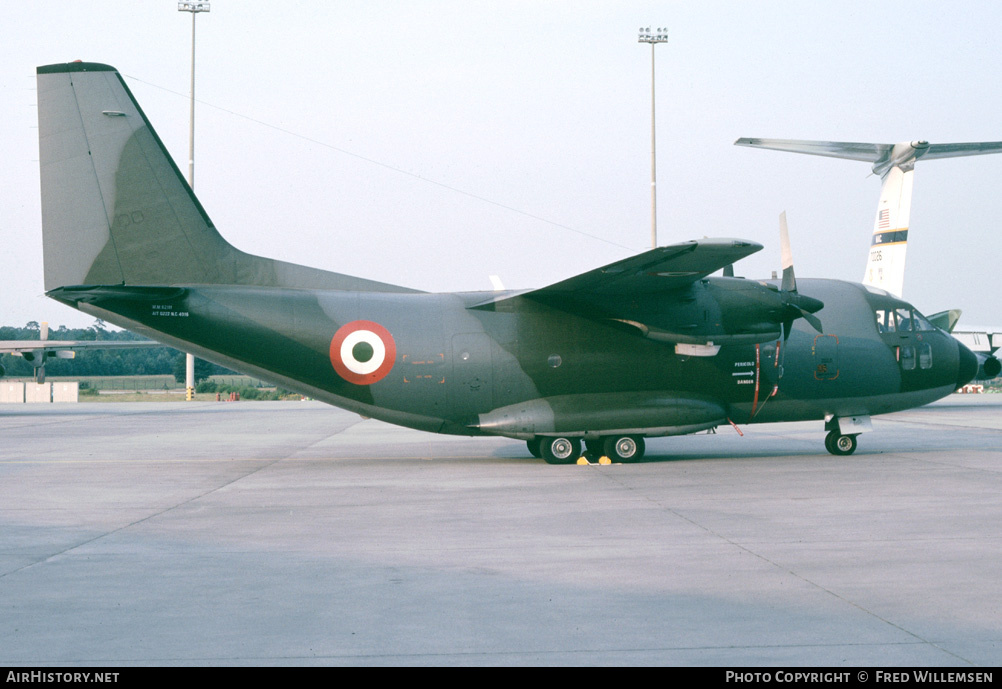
pixel 432 144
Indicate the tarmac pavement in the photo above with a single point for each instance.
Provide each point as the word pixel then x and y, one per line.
pixel 285 533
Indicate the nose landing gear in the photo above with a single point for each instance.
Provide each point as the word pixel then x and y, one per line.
pixel 839 444
pixel 842 432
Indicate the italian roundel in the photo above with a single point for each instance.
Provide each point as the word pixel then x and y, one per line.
pixel 363 352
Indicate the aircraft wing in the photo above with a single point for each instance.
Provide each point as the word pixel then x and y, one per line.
pixel 980 339
pixel 663 269
pixel 17 346
pixel 658 270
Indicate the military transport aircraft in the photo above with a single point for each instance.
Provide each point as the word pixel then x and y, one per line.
pixel 38 352
pixel 885 266
pixel 646 346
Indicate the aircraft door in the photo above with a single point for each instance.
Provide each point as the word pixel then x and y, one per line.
pixel 470 387
pixel 771 365
pixel 768 372
pixel 825 354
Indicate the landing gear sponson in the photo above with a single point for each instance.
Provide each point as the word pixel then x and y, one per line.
pixel 566 450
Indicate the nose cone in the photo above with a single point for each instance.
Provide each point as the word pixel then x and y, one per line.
pixel 967 365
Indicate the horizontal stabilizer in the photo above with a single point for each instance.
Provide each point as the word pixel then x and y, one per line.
pixel 895 165
pixel 832 149
pixel 882 156
pixel 73 294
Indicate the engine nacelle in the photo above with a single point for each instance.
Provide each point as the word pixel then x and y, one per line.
pixel 988 366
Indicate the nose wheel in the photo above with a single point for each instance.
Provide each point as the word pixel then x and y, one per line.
pixel 839 444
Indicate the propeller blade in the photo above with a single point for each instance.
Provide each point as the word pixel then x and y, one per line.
pixel 813 320
pixel 796 305
pixel 789 279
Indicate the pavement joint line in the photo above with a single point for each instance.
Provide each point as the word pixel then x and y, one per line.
pixel 52 556
pixel 789 571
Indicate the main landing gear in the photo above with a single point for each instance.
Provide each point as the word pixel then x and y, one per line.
pixel 566 450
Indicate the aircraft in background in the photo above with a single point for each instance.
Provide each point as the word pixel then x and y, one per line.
pixel 647 346
pixel 885 266
pixel 38 352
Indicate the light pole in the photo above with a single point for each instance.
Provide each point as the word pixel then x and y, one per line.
pixel 194 8
pixel 661 36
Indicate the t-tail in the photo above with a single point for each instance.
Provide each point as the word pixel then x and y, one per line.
pixel 895 164
pixel 116 210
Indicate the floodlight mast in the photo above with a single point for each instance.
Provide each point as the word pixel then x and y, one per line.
pixel 194 8
pixel 660 36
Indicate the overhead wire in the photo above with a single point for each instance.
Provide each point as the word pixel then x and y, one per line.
pixel 387 166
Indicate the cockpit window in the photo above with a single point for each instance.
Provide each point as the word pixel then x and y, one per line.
pixel 904 320
pixel 886 323
pixel 921 323
pixel 901 320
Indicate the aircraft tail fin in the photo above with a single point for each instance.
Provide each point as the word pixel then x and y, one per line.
pixel 117 211
pixel 895 164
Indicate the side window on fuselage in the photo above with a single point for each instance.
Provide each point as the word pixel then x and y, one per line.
pixel 907 358
pixel 924 355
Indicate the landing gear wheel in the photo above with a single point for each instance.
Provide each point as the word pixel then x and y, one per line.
pixel 560 450
pixel 624 448
pixel 839 444
pixel 534 448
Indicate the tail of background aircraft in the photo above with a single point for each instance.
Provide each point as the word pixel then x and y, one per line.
pixel 116 209
pixel 895 163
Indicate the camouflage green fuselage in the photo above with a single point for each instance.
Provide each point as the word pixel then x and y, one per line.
pixel 523 368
